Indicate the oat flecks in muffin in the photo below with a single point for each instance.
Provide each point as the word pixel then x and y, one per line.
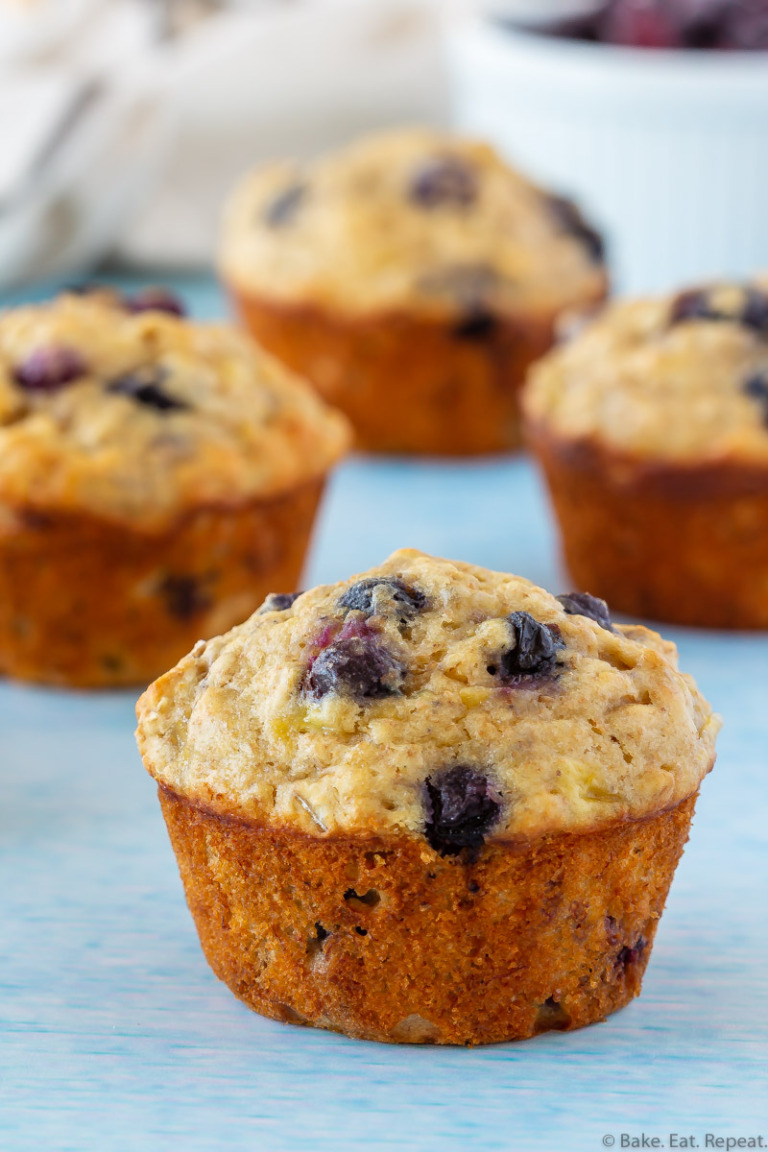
pixel 121 409
pixel 371 228
pixel 680 379
pixel 445 742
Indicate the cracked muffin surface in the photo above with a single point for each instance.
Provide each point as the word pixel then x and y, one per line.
pixel 411 219
pixel 679 379
pixel 433 699
pixel 122 409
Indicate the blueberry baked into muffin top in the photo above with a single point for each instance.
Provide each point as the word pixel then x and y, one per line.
pixel 410 219
pixel 119 407
pixel 681 379
pixel 431 699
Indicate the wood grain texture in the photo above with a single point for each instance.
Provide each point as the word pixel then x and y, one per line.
pixel 115 1036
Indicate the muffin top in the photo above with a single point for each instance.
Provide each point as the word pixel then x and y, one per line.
pixel 409 220
pixel 432 699
pixel 123 409
pixel 683 378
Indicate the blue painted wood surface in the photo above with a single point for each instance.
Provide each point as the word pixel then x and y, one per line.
pixel 116 1036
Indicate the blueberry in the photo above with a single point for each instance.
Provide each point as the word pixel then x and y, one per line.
pixel 279 601
pixel 471 287
pixel 50 368
pixel 570 220
pixel 477 325
pixel 461 807
pixel 146 386
pixel 700 304
pixel 443 180
pixel 755 312
pixel 285 206
pixel 155 299
pixel 629 956
pixel 582 604
pixel 756 387
pixel 356 663
pixel 184 597
pixel 534 654
pixel 382 596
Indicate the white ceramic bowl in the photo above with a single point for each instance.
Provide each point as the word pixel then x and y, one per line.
pixel 667 150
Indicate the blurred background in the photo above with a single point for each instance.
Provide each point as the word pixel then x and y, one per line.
pixel 125 122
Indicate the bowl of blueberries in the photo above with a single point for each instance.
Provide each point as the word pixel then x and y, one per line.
pixel 652 113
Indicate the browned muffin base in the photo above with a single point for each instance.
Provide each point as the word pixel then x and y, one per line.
pixel 408 384
pixel 92 604
pixel 684 545
pixel 387 940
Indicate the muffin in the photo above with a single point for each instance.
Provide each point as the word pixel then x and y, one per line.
pixel 652 430
pixel 413 278
pixel 157 478
pixel 431 804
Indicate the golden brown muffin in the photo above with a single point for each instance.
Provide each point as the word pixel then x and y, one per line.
pixel 413 278
pixel 156 478
pixel 652 429
pixel 429 804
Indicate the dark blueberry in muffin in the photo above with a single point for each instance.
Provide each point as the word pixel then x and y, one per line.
pixel 147 386
pixel 50 368
pixel 461 808
pixel 471 288
pixel 155 299
pixel 379 596
pixel 356 663
pixel 279 601
pixel 285 206
pixel 582 604
pixel 568 217
pixel 443 180
pixel 184 597
pixel 476 325
pixel 534 654
pixel 755 312
pixel 749 309
pixel 629 956
pixel 694 305
pixel 756 388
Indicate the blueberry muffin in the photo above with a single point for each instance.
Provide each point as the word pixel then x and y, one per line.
pixel 413 278
pixel 652 429
pixel 429 804
pixel 157 477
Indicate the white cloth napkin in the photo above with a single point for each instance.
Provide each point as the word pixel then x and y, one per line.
pixel 125 122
